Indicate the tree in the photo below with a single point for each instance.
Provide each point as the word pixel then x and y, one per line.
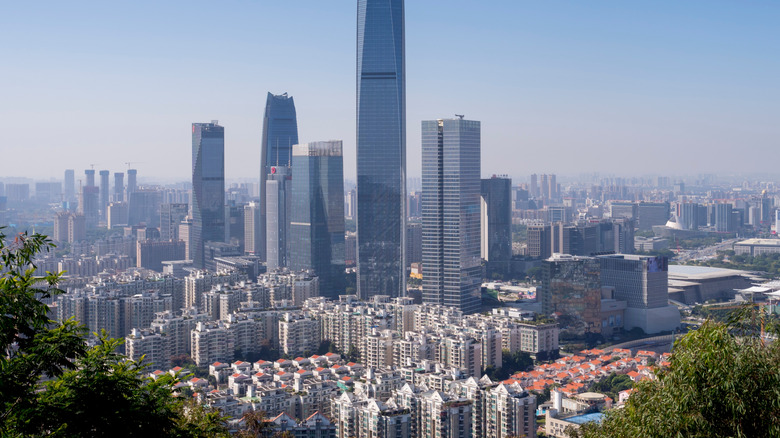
pixel 52 384
pixel 723 381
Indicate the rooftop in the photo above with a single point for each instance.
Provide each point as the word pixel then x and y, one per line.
pixel 586 418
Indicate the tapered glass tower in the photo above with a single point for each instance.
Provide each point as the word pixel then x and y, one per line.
pixel 280 133
pixel 208 188
pixel 381 148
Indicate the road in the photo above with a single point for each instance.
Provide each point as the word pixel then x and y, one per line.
pixel 705 253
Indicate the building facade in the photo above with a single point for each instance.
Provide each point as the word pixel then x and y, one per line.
pixel 208 188
pixel 280 134
pixel 452 269
pixel 317 220
pixel 381 148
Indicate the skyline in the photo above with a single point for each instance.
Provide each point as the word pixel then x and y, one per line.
pixel 609 79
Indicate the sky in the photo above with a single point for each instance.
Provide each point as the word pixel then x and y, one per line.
pixel 567 87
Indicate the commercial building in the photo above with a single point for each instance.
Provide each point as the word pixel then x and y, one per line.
pixel 278 203
pixel 252 228
pixel 119 187
pixel 652 213
pixel 699 284
pixel 280 134
pixel 757 247
pixel 208 188
pixel 571 290
pixel 452 268
pixel 643 282
pixel 69 188
pixel 171 216
pixel 496 223
pixel 89 204
pixel 381 148
pixel 317 220
pixel 104 199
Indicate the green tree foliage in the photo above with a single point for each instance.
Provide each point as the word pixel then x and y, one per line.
pixel 612 385
pixel 511 363
pixel 723 381
pixel 52 384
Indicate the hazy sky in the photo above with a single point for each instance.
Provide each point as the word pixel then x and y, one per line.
pixel 568 87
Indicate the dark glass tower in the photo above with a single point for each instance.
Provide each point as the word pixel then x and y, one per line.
pixel 381 148
pixel 317 224
pixel 497 223
pixel 452 266
pixel 208 188
pixel 280 133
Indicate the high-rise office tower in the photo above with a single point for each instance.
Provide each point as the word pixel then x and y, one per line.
pixel 653 213
pixel 70 186
pixel 350 204
pixel 688 215
pixel 143 207
pixel 496 214
pixel 131 182
pixel 119 186
pixel 317 221
pixel 553 189
pixel 535 185
pixel 545 189
pixel 103 192
pixel 452 269
pixel 277 207
pixel 280 133
pixel 116 215
pixel 251 227
pixel 234 224
pixel 208 188
pixel 171 216
pixel 381 148
pixel 90 174
pixel 88 205
pixel 724 219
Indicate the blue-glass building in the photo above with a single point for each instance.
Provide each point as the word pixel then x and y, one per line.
pixel 280 133
pixel 452 266
pixel 381 148
pixel 317 223
pixel 208 188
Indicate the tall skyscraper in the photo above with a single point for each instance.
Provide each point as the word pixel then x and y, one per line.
pixel 88 205
pixel 280 133
pixel 119 186
pixel 171 216
pixel 278 191
pixel 208 188
pixel 452 269
pixel 535 185
pixel 381 148
pixel 317 222
pixel 251 227
pixel 131 182
pixel 103 192
pixel 497 223
pixel 90 174
pixel 70 186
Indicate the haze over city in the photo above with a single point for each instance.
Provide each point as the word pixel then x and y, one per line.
pixel 617 88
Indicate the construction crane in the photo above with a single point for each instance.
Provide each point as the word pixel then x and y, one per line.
pixel 133 162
